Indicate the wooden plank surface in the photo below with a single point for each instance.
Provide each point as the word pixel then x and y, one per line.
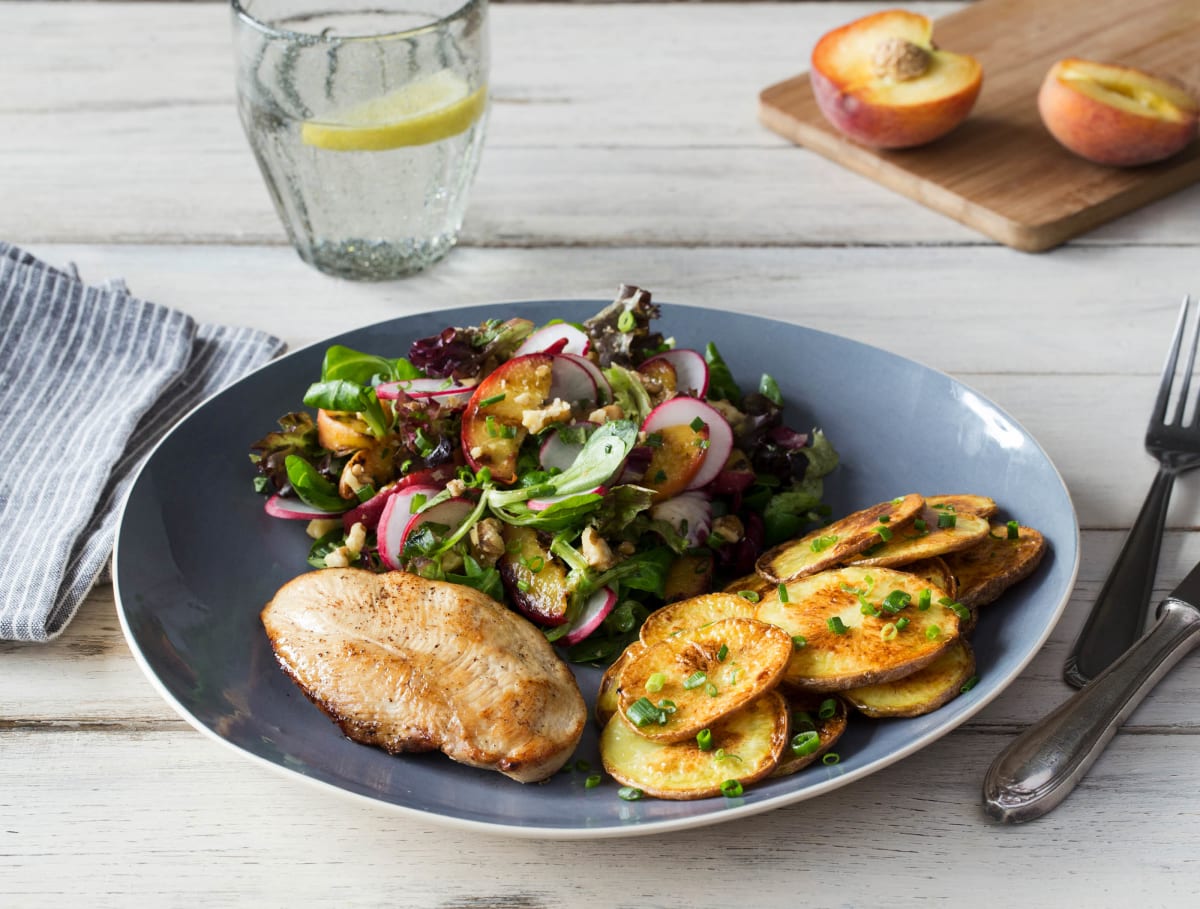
pixel 1001 172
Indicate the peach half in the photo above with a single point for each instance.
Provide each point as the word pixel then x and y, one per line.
pixel 881 81
pixel 1116 115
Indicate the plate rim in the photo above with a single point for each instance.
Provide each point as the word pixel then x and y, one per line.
pixel 633 828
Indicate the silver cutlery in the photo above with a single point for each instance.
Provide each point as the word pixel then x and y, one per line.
pixel 1119 614
pixel 1043 764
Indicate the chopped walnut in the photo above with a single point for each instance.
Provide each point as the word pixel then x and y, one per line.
pixel 452 561
pixel 729 528
pixel 537 420
pixel 318 527
pixel 487 545
pixel 899 60
pixel 596 550
pixel 456 488
pixel 347 554
pixel 627 548
pixel 603 415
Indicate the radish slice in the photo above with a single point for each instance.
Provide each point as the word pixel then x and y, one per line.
pixel 691 372
pixel 690 513
pixel 595 611
pixel 557 453
pixel 450 513
pixel 560 338
pixel 543 503
pixel 294 509
pixel 683 411
pixel 447 395
pixel 369 512
pixel 570 381
pixel 397 514
pixel 604 392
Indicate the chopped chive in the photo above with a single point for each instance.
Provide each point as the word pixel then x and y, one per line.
pixel 642 713
pixel 417 501
pixel 654 440
pixel 1014 530
pixel 722 653
pixel 704 740
pixel 666 706
pixel 798 641
pixel 711 690
pixel 932 633
pixel 896 600
pixel 835 624
pixel 947 520
pixel 820 544
pixel 805 742
pixel 660 476
pixel 523 585
pixel 629 793
pixel 885 519
pixel 888 632
pixel 582 766
pixel 750 595
pixel 802 719
pixel 901 623
pixel 969 684
pixel 783 594
pixel 831 758
pixel 866 607
pixel 695 680
pixel 493 430
pixel 508 432
pixel 920 525
pixel 697 424
pixel 627 321
pixel 655 683
pixel 494 399
pixel 885 533
pixel 731 789
pixel 924 599
pixel 960 610
pixel 897 500
pixel 827 709
pixel 593 781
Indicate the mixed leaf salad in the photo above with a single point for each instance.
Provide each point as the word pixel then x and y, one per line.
pixel 582 473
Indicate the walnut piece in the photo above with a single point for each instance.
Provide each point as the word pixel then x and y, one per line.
pixel 899 60
pixel 597 551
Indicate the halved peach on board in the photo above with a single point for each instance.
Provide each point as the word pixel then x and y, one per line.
pixel 1116 115
pixel 881 81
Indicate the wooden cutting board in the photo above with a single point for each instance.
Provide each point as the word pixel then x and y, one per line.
pixel 1000 172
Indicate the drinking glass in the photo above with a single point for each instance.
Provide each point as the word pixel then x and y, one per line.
pixel 366 118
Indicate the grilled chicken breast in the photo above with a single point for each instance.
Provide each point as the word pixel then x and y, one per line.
pixel 414 665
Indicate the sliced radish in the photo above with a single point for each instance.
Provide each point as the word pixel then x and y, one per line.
pixel 394 521
pixel 294 509
pixel 691 372
pixel 545 502
pixel 369 512
pixel 451 513
pixel 594 611
pixel 560 338
pixel 690 513
pixel 447 395
pixel 555 452
pixel 684 411
pixel 604 392
pixel 570 381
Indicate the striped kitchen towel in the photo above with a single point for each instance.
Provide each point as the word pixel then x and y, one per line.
pixel 91 378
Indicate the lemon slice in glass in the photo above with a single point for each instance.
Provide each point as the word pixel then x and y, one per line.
pixel 428 110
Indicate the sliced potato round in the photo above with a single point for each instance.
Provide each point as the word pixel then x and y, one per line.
pixel 988 569
pixel 845 648
pixel 676 618
pixel 699 677
pixel 936 572
pixel 838 542
pixel 746 746
pixel 922 692
pixel 983 506
pixel 606 697
pixel 924 539
pixel 805 714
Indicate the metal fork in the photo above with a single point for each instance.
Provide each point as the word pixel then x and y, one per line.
pixel 1119 615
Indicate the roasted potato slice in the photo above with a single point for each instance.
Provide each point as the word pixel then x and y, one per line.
pixel 845 648
pixel 988 569
pixel 606 697
pixel 698 677
pixel 745 746
pixel 983 506
pixel 922 692
pixel 676 618
pixel 689 576
pixel 755 583
pixel 936 572
pixel 925 538
pixel 838 542
pixel 805 714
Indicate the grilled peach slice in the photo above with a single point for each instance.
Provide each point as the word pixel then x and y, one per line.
pixel 678 457
pixel 492 428
pixel 534 580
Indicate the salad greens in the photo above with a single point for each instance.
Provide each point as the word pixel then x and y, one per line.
pixel 563 469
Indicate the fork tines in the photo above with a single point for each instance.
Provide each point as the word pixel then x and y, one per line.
pixel 1168 375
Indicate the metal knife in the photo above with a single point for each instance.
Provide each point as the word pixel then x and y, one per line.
pixel 1042 765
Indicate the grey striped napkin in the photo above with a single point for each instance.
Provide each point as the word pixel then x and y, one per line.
pixel 90 379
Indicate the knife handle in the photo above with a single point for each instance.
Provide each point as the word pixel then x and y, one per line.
pixel 1042 765
pixel 1119 614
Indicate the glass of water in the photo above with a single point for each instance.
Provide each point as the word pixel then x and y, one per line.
pixel 366 118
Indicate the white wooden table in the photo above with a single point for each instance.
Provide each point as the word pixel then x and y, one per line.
pixel 623 147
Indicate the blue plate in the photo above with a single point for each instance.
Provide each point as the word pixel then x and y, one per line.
pixel 197 558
